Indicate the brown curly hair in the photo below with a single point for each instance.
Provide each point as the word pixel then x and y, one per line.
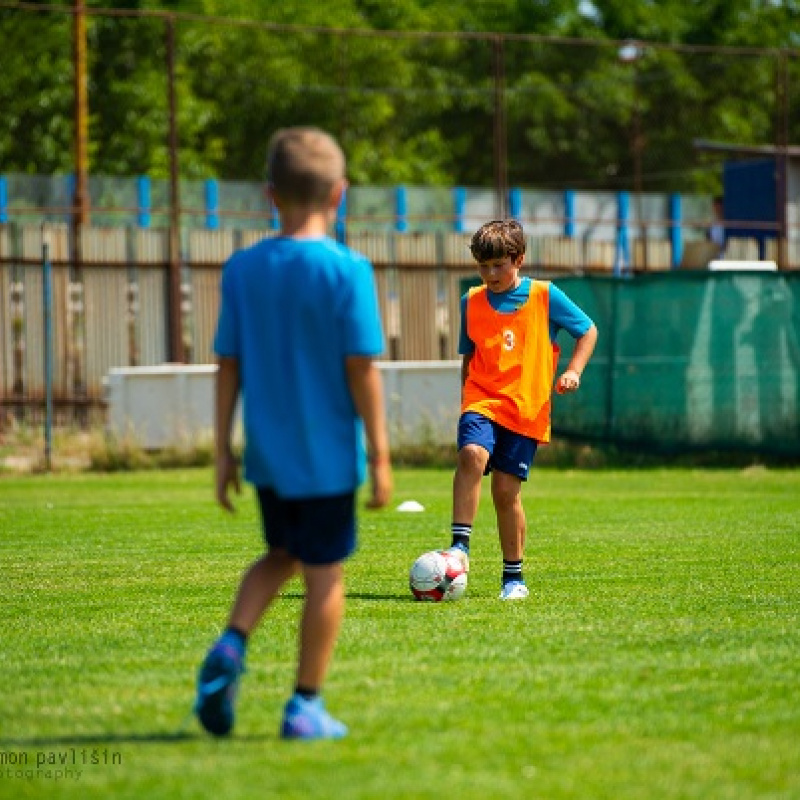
pixel 498 239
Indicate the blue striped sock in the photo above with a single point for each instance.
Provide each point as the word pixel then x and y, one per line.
pixel 460 534
pixel 512 571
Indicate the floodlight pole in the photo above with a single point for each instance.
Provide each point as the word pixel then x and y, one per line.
pixel 500 133
pixel 629 54
pixel 638 144
pixel 80 199
pixel 782 182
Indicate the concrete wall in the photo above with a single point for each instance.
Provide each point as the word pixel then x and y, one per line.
pixel 173 404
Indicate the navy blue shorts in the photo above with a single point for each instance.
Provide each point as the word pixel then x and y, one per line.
pixel 314 530
pixel 509 452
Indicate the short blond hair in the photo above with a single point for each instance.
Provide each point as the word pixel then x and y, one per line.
pixel 304 165
pixel 498 239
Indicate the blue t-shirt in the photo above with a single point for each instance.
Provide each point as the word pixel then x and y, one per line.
pixel 563 313
pixel 291 311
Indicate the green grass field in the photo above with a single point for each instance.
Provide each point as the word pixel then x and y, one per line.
pixel 657 657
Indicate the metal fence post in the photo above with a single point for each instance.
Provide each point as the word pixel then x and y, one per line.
pixel 622 258
pixel 401 209
pixel 569 213
pixel 340 226
pixel 143 201
pixel 675 230
pixel 47 304
pixel 80 197
pixel 459 207
pixel 515 204
pixel 3 200
pixel 212 204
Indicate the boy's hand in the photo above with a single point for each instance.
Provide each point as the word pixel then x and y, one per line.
pixel 380 478
pixel 227 474
pixel 568 382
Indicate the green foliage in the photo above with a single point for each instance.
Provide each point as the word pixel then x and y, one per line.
pixel 111 454
pixel 22 450
pixel 656 656
pixel 408 108
pixel 35 92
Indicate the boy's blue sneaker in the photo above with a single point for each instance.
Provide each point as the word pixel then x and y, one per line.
pixel 217 684
pixel 308 719
pixel 514 590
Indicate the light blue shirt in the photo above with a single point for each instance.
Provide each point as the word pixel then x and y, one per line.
pixel 291 311
pixel 563 313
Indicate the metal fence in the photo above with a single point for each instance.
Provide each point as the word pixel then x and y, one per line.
pixel 608 152
pixel 690 361
pixel 114 310
pixel 687 359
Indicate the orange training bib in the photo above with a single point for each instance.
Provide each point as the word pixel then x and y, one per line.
pixel 511 373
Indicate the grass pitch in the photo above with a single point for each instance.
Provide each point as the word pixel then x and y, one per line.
pixel 657 657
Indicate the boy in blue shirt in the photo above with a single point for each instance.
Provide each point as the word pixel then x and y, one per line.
pixel 297 335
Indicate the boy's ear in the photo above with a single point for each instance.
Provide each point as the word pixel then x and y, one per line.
pixel 518 259
pixel 269 193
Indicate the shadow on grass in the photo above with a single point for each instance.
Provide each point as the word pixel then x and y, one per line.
pixel 384 597
pixel 96 739
pixel 359 596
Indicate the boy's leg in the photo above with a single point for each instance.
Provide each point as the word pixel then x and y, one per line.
pixel 507 497
pixel 260 585
pixel 475 441
pixel 470 466
pixel 305 716
pixel 218 680
pixel 322 616
pixel 512 459
pixel 511 524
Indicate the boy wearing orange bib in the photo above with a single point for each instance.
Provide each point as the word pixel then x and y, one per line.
pixel 508 344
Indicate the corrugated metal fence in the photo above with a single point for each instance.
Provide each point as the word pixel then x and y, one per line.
pixel 113 309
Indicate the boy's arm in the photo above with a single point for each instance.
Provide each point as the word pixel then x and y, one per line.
pixel 465 362
pixel 570 379
pixel 226 394
pixel 366 387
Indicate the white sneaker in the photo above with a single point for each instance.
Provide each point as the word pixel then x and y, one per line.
pixel 460 555
pixel 514 590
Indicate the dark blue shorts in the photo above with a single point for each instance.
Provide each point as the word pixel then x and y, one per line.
pixel 315 530
pixel 509 452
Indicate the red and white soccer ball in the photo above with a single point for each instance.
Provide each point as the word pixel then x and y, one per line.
pixel 438 575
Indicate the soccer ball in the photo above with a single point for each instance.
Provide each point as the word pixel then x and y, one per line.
pixel 436 576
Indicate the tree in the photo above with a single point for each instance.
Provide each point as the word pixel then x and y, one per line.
pixel 408 107
pixel 36 92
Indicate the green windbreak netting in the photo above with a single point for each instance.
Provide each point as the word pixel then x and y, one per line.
pixel 688 361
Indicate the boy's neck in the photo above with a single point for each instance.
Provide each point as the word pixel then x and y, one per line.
pixel 514 286
pixel 302 223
